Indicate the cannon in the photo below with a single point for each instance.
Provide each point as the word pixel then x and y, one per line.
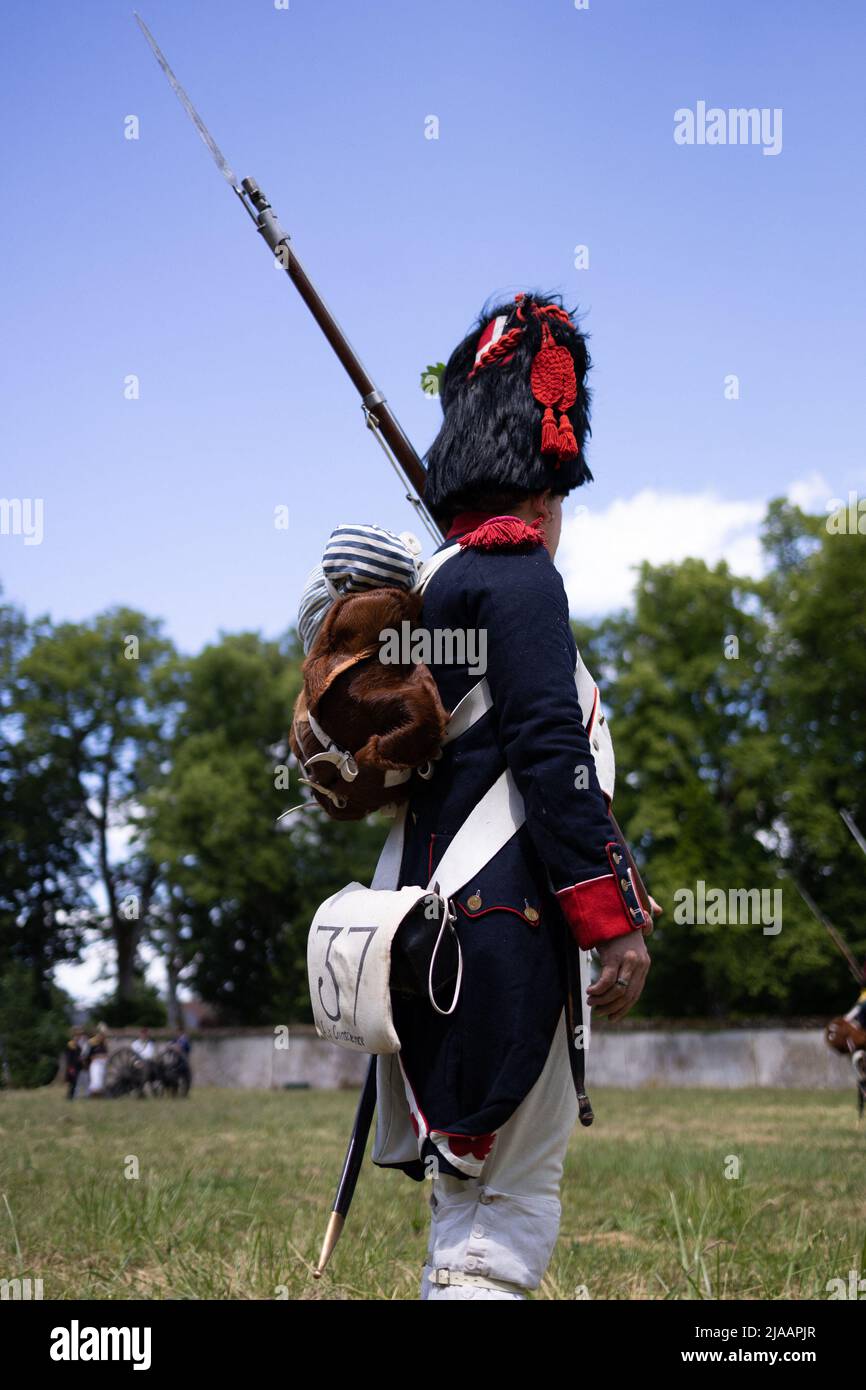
pixel 127 1074
pixel 171 1072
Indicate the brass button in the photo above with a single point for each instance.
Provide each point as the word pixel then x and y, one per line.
pixel 530 913
pixel 473 902
pixel 624 884
pixel 616 857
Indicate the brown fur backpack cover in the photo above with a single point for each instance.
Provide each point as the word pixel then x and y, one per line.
pixel 372 723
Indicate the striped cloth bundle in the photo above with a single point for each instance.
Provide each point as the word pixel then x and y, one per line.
pixel 355 558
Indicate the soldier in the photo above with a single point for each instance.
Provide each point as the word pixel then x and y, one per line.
pixel 145 1050
pixel 97 1058
pixel 74 1061
pixel 487 1089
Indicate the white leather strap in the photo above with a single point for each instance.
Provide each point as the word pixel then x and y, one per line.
pixel 498 815
pixel 475 703
pixel 387 868
pixel 429 567
pixel 495 814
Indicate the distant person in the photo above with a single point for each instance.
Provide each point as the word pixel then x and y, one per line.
pixel 177 1073
pixel 97 1061
pixel 74 1061
pixel 145 1050
pixel 144 1046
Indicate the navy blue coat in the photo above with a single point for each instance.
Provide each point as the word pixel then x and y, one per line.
pixel 469 1071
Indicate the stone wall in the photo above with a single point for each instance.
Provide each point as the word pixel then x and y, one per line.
pixel 730 1059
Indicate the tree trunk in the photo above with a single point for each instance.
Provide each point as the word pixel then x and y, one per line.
pixel 173 963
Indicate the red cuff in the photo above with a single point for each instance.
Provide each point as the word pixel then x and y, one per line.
pixel 595 911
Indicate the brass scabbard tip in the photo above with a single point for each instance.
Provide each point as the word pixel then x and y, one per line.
pixel 332 1235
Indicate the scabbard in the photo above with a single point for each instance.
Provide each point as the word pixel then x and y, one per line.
pixel 574 1018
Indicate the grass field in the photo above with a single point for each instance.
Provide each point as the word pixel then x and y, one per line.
pixel 234 1188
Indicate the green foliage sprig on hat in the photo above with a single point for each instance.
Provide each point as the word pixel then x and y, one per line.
pixel 431 379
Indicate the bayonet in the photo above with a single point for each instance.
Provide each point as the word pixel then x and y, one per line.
pixel 218 156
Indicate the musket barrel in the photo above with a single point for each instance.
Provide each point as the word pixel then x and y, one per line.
pixel 374 402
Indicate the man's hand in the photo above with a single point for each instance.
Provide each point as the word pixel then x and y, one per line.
pixel 625 962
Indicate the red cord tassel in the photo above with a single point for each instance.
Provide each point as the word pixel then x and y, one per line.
pixel 568 445
pixel 503 531
pixel 549 433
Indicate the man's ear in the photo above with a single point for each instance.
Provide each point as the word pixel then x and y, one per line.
pixel 544 502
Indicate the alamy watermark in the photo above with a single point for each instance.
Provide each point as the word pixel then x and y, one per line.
pixel 853 1287
pixel 21 1289
pixel 23 516
pixel 438 646
pixel 720 907
pixel 846 519
pixel 736 125
pixel 77 1343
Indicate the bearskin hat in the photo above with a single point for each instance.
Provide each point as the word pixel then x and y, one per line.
pixel 516 409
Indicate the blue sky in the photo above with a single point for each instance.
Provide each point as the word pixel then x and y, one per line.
pixel 555 129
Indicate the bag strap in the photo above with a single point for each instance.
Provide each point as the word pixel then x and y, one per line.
pixel 475 703
pixel 431 566
pixel 498 815
pixel 387 869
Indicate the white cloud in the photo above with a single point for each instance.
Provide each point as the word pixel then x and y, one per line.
pixel 92 976
pixel 812 494
pixel 600 550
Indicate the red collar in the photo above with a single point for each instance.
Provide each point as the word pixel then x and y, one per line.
pixel 495 531
pixel 468 521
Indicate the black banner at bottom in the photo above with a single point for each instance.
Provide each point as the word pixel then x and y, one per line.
pixel 170 1339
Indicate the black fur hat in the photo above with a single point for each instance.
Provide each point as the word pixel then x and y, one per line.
pixel 499 440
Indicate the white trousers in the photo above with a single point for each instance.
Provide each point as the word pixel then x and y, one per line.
pixel 502 1226
pixel 96 1075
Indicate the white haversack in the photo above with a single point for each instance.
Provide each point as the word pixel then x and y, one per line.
pixel 349 965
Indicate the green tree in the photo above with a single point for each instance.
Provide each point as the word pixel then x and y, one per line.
pixel 687 673
pixel 816 698
pixel 96 702
pixel 42 872
pixel 241 891
pixel 32 1029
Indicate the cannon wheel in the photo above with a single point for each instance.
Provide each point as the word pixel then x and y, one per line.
pixel 122 1073
pixel 173 1072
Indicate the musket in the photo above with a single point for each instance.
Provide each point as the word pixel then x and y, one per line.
pixel 834 935
pixel 833 932
pixel 854 828
pixel 397 447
